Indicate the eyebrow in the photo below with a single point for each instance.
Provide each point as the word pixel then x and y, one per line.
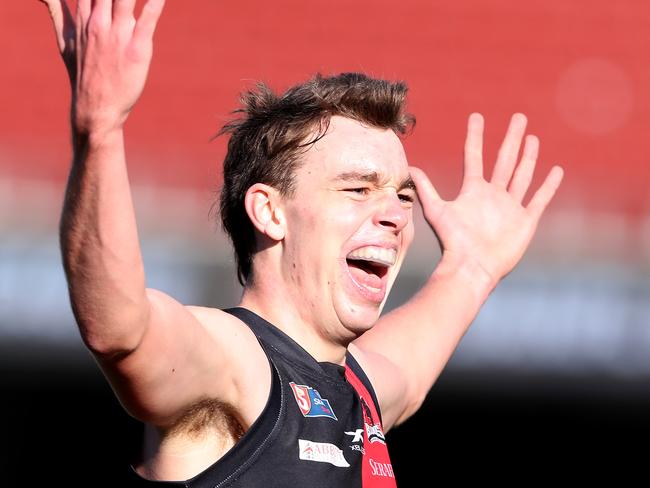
pixel 374 178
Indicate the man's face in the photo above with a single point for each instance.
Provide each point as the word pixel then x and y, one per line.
pixel 349 226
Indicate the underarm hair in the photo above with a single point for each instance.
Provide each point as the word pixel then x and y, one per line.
pixel 208 415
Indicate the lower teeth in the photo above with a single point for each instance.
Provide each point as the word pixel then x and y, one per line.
pixel 374 290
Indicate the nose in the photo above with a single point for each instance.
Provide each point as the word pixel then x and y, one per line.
pixel 391 213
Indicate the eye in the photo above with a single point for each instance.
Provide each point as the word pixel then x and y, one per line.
pixel 359 191
pixel 406 197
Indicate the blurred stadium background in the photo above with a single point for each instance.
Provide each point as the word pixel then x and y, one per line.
pixel 556 367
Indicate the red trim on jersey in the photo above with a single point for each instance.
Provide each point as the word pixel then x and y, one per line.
pixel 377 471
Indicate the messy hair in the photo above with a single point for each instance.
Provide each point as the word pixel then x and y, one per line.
pixel 273 131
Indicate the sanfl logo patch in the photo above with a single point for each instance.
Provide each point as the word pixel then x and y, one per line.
pixel 310 402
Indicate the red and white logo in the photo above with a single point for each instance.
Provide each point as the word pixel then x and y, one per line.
pixel 322 452
pixel 379 468
pixel 375 434
pixel 301 392
pixel 310 402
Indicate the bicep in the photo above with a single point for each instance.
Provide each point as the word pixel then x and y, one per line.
pixel 177 363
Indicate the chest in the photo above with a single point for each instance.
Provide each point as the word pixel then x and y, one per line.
pixel 330 432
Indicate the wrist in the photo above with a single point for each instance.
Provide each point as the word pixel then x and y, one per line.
pixel 94 126
pixel 468 271
pixel 96 138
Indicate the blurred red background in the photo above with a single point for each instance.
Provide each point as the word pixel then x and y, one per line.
pixel 579 70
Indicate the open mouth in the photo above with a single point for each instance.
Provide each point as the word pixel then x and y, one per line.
pixel 368 268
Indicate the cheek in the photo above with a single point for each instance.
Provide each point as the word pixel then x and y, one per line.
pixel 409 234
pixel 310 236
pixel 301 221
pixel 322 223
pixel 316 233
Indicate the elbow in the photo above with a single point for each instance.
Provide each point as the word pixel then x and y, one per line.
pixel 105 350
pixel 112 338
pixel 412 408
pixel 415 399
pixel 417 403
pixel 108 347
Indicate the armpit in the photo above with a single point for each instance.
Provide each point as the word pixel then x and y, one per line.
pixel 208 416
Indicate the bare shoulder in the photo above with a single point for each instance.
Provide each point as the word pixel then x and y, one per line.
pixel 189 355
pixel 250 367
pixel 223 326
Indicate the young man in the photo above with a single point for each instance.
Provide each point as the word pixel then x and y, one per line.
pixel 302 380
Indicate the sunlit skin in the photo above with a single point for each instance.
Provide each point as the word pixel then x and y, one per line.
pixel 353 189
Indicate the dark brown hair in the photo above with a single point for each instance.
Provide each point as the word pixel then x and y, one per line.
pixel 266 142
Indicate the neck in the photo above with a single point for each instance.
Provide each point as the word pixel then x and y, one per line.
pixel 273 303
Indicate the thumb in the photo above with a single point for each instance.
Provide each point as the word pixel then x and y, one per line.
pixel 427 194
pixel 64 28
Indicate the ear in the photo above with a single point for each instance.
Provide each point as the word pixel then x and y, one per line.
pixel 263 207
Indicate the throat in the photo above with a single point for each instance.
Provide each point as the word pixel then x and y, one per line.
pixel 311 331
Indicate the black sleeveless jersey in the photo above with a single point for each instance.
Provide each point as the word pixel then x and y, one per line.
pixel 320 427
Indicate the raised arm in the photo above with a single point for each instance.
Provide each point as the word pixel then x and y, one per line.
pixel 157 354
pixel 107 58
pixel 483 234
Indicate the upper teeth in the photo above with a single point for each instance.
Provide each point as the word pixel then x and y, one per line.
pixel 379 255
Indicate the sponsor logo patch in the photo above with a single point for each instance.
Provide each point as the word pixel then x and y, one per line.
pixel 381 469
pixel 357 447
pixel 357 440
pixel 322 452
pixel 357 435
pixel 375 434
pixel 310 402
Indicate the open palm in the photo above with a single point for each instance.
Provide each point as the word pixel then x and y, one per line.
pixel 487 222
pixel 107 53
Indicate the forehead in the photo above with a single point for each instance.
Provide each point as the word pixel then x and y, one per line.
pixel 350 146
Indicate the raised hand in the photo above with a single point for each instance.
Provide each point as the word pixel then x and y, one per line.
pixel 107 54
pixel 487 223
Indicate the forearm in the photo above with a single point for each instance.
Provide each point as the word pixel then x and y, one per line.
pixel 100 247
pixel 421 335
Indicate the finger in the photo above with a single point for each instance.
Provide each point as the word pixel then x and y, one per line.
pixel 473 165
pixel 524 172
pixel 65 31
pixel 545 192
pixel 69 35
pixel 63 24
pixel 148 20
pixel 509 151
pixel 101 12
pixel 55 7
pixel 123 11
pixel 427 194
pixel 83 13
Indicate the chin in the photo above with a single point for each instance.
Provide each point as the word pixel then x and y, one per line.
pixel 357 308
pixel 358 318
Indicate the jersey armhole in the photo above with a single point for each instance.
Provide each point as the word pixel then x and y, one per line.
pixel 360 373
